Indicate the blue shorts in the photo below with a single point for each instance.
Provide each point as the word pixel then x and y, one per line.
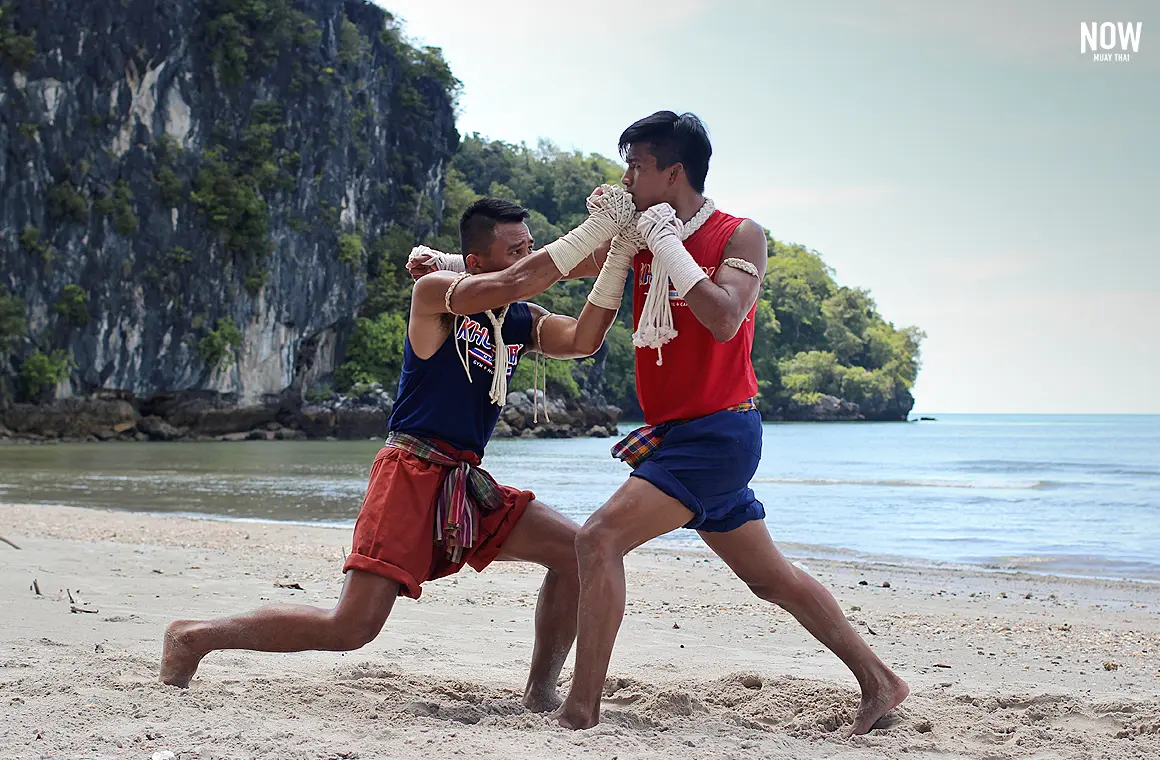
pixel 706 464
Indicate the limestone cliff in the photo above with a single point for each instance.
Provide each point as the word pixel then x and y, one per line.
pixel 190 189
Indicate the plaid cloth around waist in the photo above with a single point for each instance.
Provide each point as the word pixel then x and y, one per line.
pixel 467 488
pixel 640 444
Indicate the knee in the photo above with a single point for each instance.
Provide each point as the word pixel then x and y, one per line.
pixel 350 631
pixel 768 592
pixel 595 540
pixel 562 562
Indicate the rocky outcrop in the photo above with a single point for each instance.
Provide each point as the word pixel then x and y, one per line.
pixel 524 416
pixel 190 191
pixel 833 409
pixel 72 418
pixel 826 409
pixel 200 416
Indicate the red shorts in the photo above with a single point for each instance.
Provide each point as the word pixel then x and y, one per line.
pixel 395 533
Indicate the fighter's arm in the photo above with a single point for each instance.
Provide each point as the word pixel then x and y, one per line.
pixel 721 304
pixel 590 267
pixel 424 261
pixel 562 337
pixel 528 277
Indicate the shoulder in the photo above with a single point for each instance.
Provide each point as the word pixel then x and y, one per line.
pixel 525 310
pixel 747 234
pixel 748 243
pixel 431 289
pixel 535 310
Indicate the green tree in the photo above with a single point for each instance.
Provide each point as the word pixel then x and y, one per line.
pixel 12 325
pixel 73 305
pixel 217 348
pixel 40 371
pixel 374 352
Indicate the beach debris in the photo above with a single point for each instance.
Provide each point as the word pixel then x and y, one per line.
pixel 163 755
pixel 99 649
pixel 35 587
pixel 74 608
pixel 158 572
pixel 14 546
pixel 885 584
pixel 863 583
pixel 289 585
pixel 1002 594
pixel 1110 665
pixel 1027 595
pixel 870 630
pixel 675 626
pixel 940 665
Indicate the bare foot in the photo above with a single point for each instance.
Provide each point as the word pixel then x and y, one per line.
pixel 179 661
pixel 877 701
pixel 542 700
pixel 575 719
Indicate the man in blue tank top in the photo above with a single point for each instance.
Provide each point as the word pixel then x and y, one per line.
pixel 430 508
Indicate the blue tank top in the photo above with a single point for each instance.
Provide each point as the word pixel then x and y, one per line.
pixel 436 400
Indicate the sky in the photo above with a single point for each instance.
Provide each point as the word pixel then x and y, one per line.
pixel 965 162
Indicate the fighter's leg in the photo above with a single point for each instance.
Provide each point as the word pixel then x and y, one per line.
pixel 546 537
pixel 751 554
pixel 636 513
pixel 358 617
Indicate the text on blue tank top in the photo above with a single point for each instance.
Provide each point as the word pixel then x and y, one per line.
pixel 435 398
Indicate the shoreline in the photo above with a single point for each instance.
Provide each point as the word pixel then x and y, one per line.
pixel 1000 665
pixel 796 551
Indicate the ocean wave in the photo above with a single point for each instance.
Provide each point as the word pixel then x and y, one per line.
pixel 1077 566
pixel 1007 466
pixel 917 483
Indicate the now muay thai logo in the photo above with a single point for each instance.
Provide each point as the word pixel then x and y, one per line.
pixel 478 340
pixel 1100 39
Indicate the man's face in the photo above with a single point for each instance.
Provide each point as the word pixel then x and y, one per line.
pixel 647 184
pixel 511 243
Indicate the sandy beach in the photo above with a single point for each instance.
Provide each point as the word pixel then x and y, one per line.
pixel 1001 665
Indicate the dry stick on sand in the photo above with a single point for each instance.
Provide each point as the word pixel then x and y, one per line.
pixel 72 604
pixel 14 546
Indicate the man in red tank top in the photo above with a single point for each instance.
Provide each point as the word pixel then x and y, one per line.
pixel 693 461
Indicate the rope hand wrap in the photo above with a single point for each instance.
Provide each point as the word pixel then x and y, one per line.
pixel 663 233
pixel 498 393
pixel 608 290
pixel 447 262
pixel 609 212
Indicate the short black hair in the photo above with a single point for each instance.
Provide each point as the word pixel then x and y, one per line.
pixel 673 139
pixel 477 225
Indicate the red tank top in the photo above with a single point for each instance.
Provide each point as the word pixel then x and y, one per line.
pixel 699 375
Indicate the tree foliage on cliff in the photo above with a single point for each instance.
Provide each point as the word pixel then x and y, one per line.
pixel 812 336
